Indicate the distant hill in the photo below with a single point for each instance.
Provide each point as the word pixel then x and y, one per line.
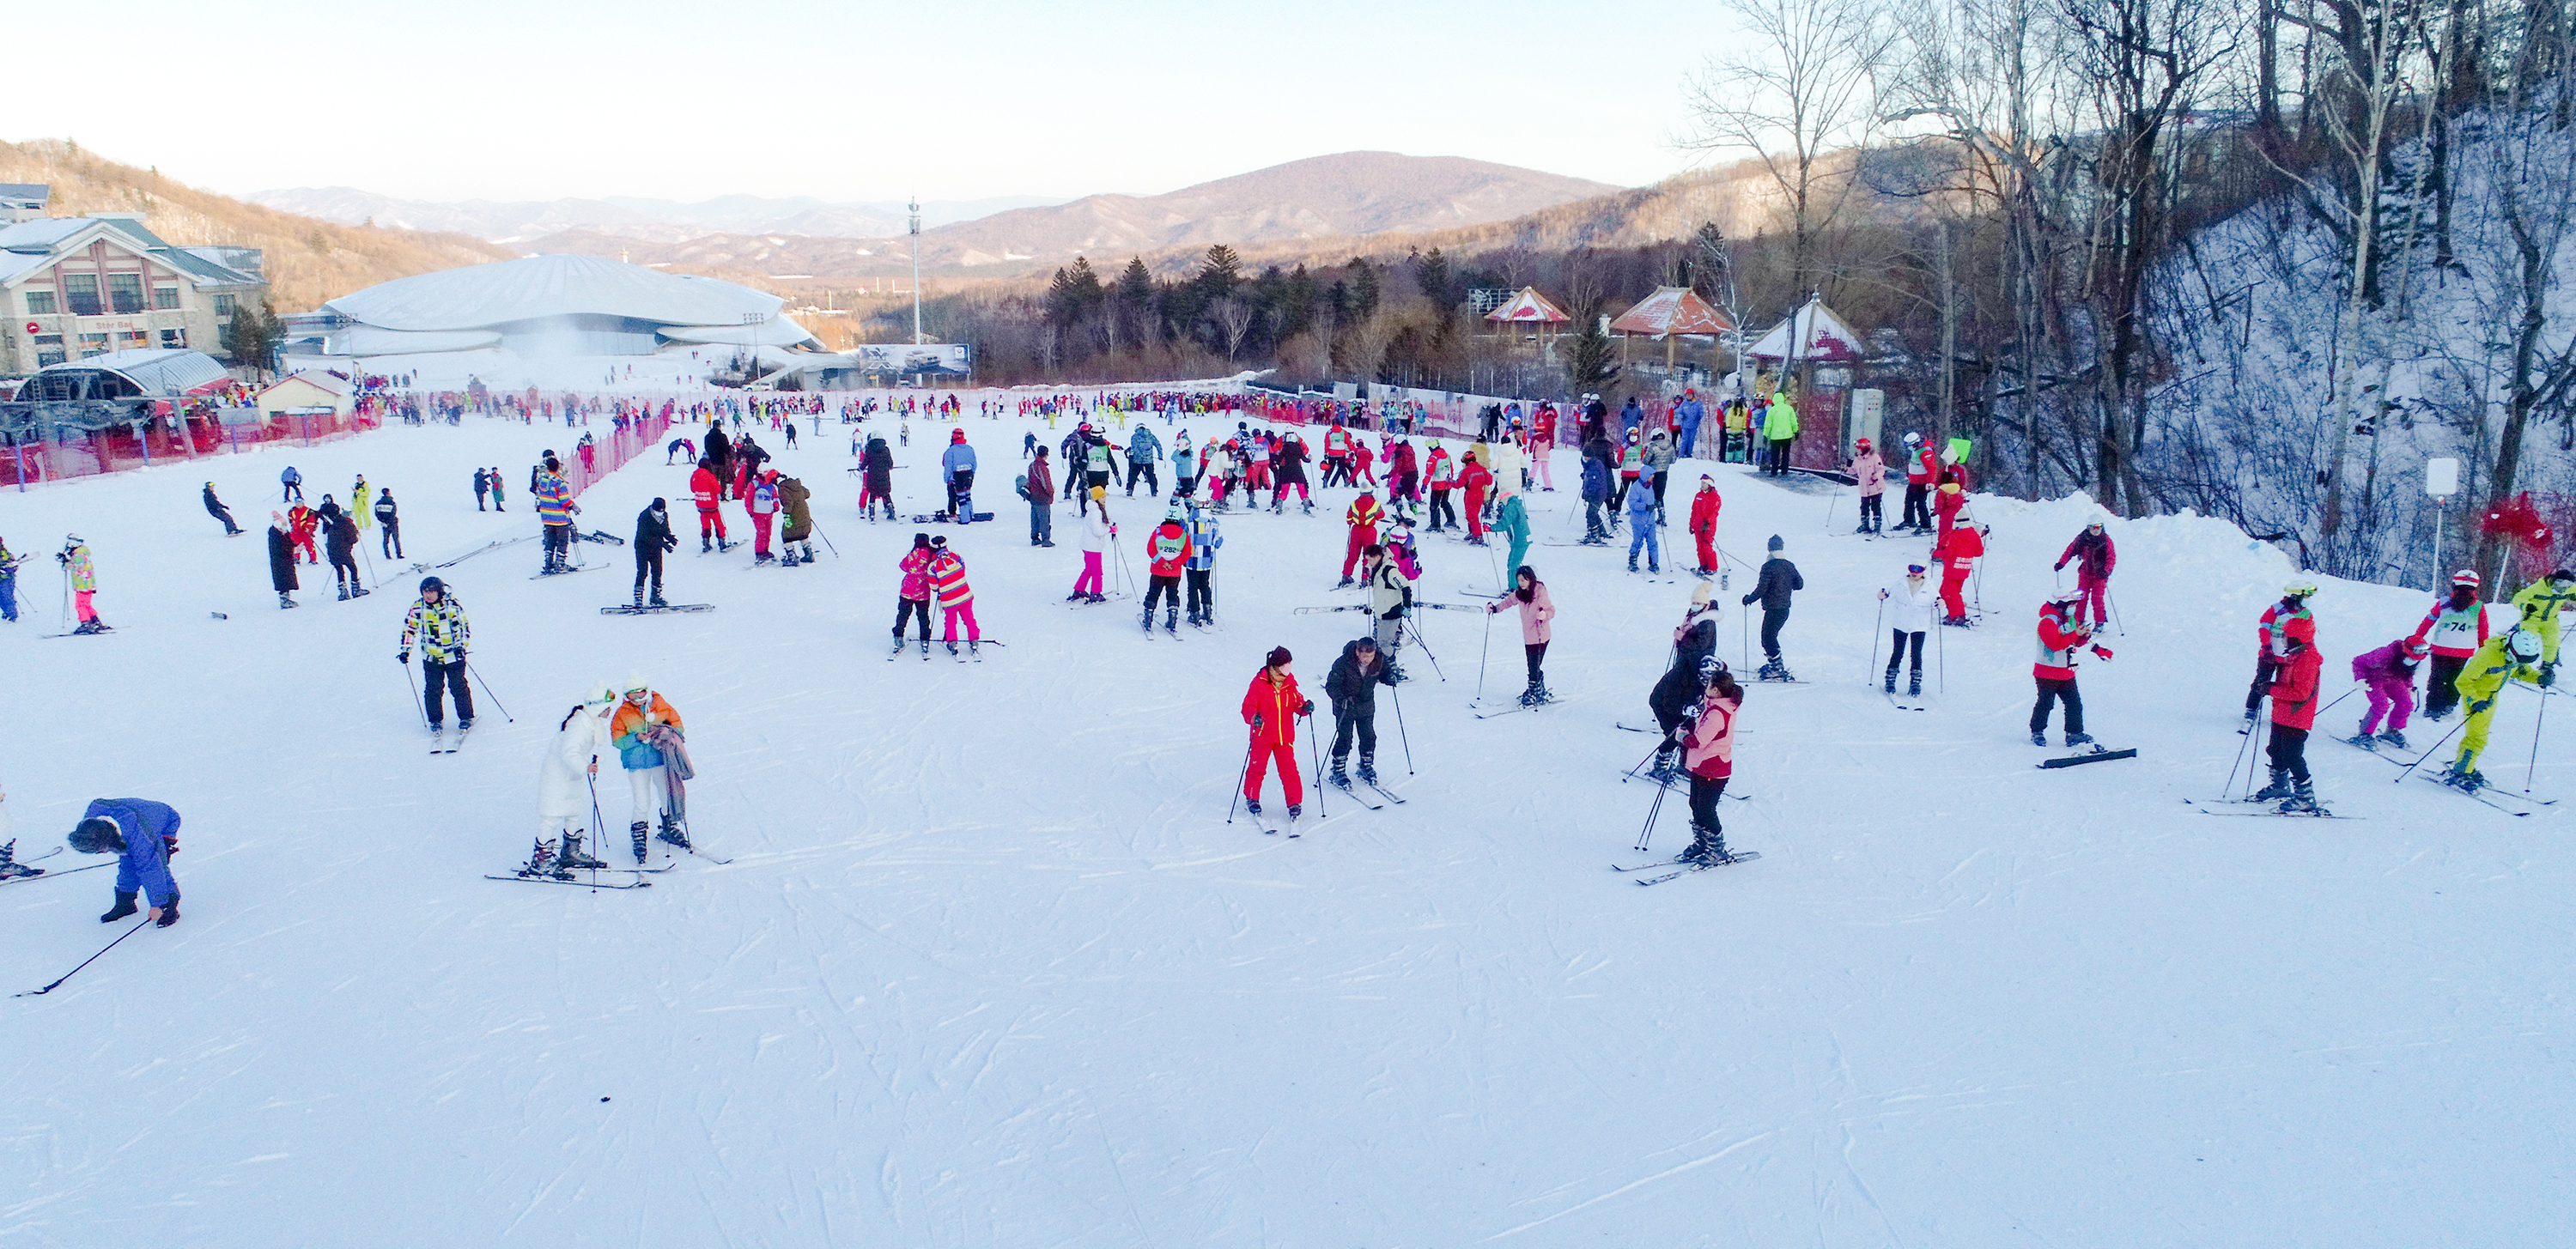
pixel 629 217
pixel 308 260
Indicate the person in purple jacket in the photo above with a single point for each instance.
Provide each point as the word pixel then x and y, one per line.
pixel 143 834
pixel 2390 671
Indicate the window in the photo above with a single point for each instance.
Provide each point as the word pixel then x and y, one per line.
pixel 93 345
pixel 223 306
pixel 48 357
pixel 125 292
pixel 132 340
pixel 80 292
pixel 165 298
pixel 40 303
pixel 174 338
pixel 54 341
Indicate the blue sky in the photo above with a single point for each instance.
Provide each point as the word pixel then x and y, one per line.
pixel 460 99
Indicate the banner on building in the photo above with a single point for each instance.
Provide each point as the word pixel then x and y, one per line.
pixel 908 359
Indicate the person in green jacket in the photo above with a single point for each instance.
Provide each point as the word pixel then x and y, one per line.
pixel 1511 520
pixel 2539 606
pixel 1779 428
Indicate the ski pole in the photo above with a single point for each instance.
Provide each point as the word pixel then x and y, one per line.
pixel 138 927
pixel 1397 696
pixel 1876 621
pixel 2437 747
pixel 496 699
pixel 2534 765
pixel 1403 627
pixel 1653 809
pixel 1238 782
pixel 417 707
pixel 1941 658
pixel 827 541
pixel 1315 740
pixel 2240 750
pixel 1830 504
pixel 1481 652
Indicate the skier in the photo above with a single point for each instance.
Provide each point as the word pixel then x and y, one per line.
pixel 1351 688
pixel 1144 453
pixel 1474 479
pixel 567 777
pixel 1185 478
pixel 1097 534
pixel 796 537
pixel 1705 507
pixel 1337 461
pixel 2093 573
pixel 1708 754
pixel 679 447
pixel 301 521
pixel 2062 632
pixel 494 475
pixel 719 456
pixel 1920 470
pixel 1678 690
pixel 1872 471
pixel 281 561
pixel 1538 616
pixel 443 632
pixel 215 508
pixel 2512 657
pixel 143 834
pixel 555 510
pixel 1271 705
pixel 1511 520
pixel 2541 604
pixel 1362 516
pixel 1200 572
pixel 1168 547
pixel 390 521
pixel 957 469
pixel 482 487
pixel 1642 531
pixel 74 557
pixel 342 544
pixel 1390 597
pixel 1404 477
pixel 1099 464
pixel 358 502
pixel 1542 446
pixel 294 485
pixel 706 489
pixel 956 598
pixel 1688 414
pixel 1908 620
pixel 2294 711
pixel 912 597
pixel 1957 551
pixel 643 725
pixel 9 582
pixel 1778 580
pixel 1658 461
pixel 653 536
pixel 2283 621
pixel 762 504
pixel 1632 467
pixel 1444 478
pixel 2390 675
pixel 1596 491
pixel 1288 468
pixel 1947 503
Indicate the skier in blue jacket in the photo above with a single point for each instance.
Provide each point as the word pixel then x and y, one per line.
pixel 142 834
pixel 957 464
pixel 1200 571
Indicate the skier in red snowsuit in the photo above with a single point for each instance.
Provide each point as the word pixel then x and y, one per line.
pixel 1957 551
pixel 1363 516
pixel 1703 523
pixel 2061 633
pixel 2094 558
pixel 708 491
pixel 1475 479
pixel 1271 706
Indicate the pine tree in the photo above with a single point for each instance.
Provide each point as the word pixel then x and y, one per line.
pixel 1364 287
pixel 1587 365
pixel 1219 271
pixel 1431 273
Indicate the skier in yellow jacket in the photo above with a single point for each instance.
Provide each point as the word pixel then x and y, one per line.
pixel 2515 655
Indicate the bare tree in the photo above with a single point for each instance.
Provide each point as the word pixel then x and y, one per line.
pixel 1233 319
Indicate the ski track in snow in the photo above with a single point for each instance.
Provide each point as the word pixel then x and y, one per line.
pixel 989 967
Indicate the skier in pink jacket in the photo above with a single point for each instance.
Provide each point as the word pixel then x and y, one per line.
pixel 1538 613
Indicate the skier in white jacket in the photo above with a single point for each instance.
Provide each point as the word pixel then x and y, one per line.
pixel 564 795
pixel 1909 606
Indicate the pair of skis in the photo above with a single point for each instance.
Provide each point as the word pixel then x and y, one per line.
pixel 628 609
pixel 1685 867
pixel 441 744
pixel 1363 799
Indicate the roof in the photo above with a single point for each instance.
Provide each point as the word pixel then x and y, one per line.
pixel 319 379
pixel 162 372
pixel 1528 306
pixel 1821 336
pixel 541 287
pixel 24 194
pixel 782 332
pixel 1672 310
pixel 33 244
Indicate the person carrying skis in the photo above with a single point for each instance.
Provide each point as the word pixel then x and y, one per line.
pixel 912 597
pixel 1351 689
pixel 215 508
pixel 1511 520
pixel 342 544
pixel 1475 480
pixel 1909 618
pixel 706 489
pixel 957 468
pixel 1778 580
pixel 439 625
pixel 1168 547
pixel 1271 705
pixel 641 725
pixel 762 504
pixel 956 598
pixel 1097 534
pixel 1390 598
pixel 2540 605
pixel 2389 673
pixel 2062 632
pixel 2096 557
pixel 1538 616
pixel 1362 516
pixel 143 834
pixel 1920 471
pixel 1642 531
pixel 281 561
pixel 1201 569
pixel 1144 453
pixel 1705 507
pixel 567 776
pixel 2281 622
pixel 2515 656
pixel 2294 711
pixel 390 522
pixel 1872 472
pixel 1708 755
pixel 653 537
pixel 1957 551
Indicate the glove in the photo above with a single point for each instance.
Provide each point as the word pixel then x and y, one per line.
pixel 1308 709
pixel 404 656
pixel 1256 722
pixel 2060 565
pixel 1690 714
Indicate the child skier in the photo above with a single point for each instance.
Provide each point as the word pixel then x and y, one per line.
pixel 1909 617
pixel 1957 551
pixel 2062 632
pixel 143 835
pixel 1708 754
pixel 2513 657
pixel 1872 471
pixel 956 598
pixel 912 597
pixel 2390 673
pixel 1097 534
pixel 2096 557
pixel 2294 711
pixel 1168 549
pixel 2282 623
pixel 1778 581
pixel 2453 631
pixel 1703 525
pixel 1271 705
pixel 1538 614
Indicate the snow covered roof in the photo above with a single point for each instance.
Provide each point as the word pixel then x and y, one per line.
pixel 367 340
pixel 1529 306
pixel 33 244
pixel 1821 336
pixel 781 332
pixel 1672 310
pixel 162 372
pixel 320 379
pixel 543 287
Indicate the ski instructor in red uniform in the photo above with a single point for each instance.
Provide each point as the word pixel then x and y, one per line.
pixel 707 490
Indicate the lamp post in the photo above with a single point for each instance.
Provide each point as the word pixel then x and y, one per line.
pixel 915 207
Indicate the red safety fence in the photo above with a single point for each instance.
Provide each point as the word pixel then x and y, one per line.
pixel 200 433
pixel 632 437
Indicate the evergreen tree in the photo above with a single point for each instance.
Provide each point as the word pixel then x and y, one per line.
pixel 1364 287
pixel 1588 365
pixel 1431 273
pixel 1219 271
pixel 1136 301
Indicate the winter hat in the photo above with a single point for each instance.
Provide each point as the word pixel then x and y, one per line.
pixel 636 684
pixel 98 834
pixel 939 542
pixel 553 465
pixel 956 435
pixel 1279 657
pixel 1913 439
pixel 658 505
pixel 1706 478
pixel 1777 545
pixel 1174 512
pixel 1862 444
pixel 1914 570
pixel 2299 589
pixel 1709 667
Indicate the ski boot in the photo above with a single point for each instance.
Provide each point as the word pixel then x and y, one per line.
pixel 2277 790
pixel 1308 505
pixel 2394 738
pixel 1368 770
pixel 542 863
pixel 952 648
pixel 705 544
pixel 573 856
pixel 1146 619
pixel 1295 809
pixel 344 594
pixel 10 867
pixel 2074 740
pixel 1652 568
pixel 1339 776
pixel 975 649
pixel 655 599
pixel 358 591
pixel 2303 801
pixel 1346 584
pixel 284 601
pixel 1632 564
pixel 898 644
pixel 1543 697
pixel 124 906
pixel 1252 806
pixel 2365 741
pixel 925 650
pixel 2038 739
pixel 635 832
pixel 671 832
pixel 2464 778
pixel 1098 599
pixel 1667 767
pixel 1707 849
pixel 1890 686
pixel 1914 685
pixel 639 597
pixel 1172 621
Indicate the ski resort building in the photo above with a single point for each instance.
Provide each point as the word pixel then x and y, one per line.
pixel 545 306
pixel 76 287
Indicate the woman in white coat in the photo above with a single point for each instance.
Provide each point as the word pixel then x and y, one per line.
pixel 1908 607
pixel 564 795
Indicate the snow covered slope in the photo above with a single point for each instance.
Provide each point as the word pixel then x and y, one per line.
pixel 989 967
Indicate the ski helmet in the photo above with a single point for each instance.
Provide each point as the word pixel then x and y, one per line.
pixel 636 684
pixel 1174 512
pixel 2467 577
pixel 428 584
pixel 1709 667
pixel 2302 588
pixel 98 834
pixel 2524 644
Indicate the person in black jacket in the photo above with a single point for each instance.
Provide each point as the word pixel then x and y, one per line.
pixel 340 543
pixel 1679 689
pixel 215 508
pixel 652 537
pixel 720 450
pixel 1352 688
pixel 879 475
pixel 482 486
pixel 390 523
pixel 1779 578
pixel 281 561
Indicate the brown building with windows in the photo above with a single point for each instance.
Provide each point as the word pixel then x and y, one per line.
pixel 76 287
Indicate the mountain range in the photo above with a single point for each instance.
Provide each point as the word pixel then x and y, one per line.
pixel 626 216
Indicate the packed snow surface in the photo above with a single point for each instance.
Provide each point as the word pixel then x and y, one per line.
pixel 990 967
